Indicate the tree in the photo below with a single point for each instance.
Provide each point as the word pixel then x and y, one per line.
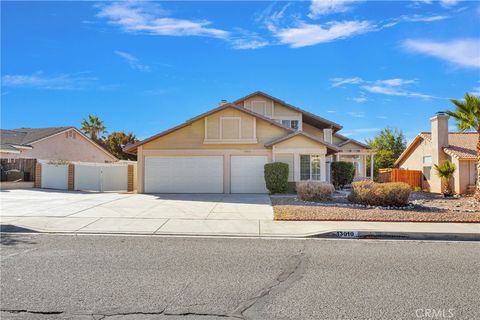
pixel 388 144
pixel 467 115
pixel 116 141
pixel 445 172
pixel 342 173
pixel 93 127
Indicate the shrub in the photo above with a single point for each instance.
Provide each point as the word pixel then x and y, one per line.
pixel 314 190
pixel 58 162
pixel 276 177
pixel 380 194
pixel 342 173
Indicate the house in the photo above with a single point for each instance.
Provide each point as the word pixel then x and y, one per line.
pixel 225 149
pixel 62 143
pixel 432 148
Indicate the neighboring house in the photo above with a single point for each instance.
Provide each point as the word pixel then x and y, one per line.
pixel 431 148
pixel 225 149
pixel 64 143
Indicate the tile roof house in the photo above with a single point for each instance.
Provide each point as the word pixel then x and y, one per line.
pixel 60 143
pixel 430 148
pixel 225 149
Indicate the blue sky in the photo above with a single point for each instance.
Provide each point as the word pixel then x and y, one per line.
pixel 147 66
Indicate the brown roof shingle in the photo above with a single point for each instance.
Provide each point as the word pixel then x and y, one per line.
pixel 461 145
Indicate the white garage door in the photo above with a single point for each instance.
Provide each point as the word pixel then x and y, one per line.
pixel 184 174
pixel 247 174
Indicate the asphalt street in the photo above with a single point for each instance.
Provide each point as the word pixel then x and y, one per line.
pixel 153 277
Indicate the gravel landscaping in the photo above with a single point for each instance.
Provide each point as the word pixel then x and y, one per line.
pixel 423 207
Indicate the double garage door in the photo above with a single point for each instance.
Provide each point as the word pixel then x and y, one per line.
pixel 204 174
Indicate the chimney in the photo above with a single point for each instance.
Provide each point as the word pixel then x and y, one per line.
pixel 439 137
pixel 222 102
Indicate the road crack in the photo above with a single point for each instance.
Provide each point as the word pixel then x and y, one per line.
pixel 292 273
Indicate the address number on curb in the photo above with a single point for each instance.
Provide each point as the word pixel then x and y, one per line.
pixel 347 234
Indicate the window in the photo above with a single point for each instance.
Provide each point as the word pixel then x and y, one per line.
pixel 291 124
pixel 309 167
pixel 426 172
pixel 304 167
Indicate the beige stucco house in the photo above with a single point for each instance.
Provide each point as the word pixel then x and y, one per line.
pixel 432 148
pixel 61 143
pixel 225 149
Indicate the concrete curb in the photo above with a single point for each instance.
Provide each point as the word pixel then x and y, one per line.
pixel 379 235
pixel 350 234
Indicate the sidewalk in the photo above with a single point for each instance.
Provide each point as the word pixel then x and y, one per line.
pixel 241 228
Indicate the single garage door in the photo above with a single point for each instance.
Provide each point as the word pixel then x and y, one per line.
pixel 184 174
pixel 247 174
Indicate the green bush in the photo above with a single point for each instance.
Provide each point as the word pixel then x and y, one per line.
pixel 390 194
pixel 314 190
pixel 342 173
pixel 276 177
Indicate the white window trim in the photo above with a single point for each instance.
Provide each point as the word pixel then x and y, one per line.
pixel 290 123
pixel 239 127
pixel 311 155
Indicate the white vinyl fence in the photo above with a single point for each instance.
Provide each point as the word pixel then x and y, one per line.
pixel 54 176
pixel 101 177
pixel 87 176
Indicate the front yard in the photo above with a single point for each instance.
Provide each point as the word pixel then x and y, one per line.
pixel 423 207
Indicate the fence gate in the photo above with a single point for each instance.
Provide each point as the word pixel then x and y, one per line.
pixel 101 177
pixel 54 176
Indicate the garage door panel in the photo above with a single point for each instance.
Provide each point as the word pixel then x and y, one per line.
pixel 202 174
pixel 247 174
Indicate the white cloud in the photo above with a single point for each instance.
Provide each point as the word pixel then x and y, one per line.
pixel 247 40
pixel 337 82
pixel 360 99
pixel 324 7
pixel 144 17
pixel 311 34
pixel 356 114
pixel 391 91
pixel 392 87
pixel 331 111
pixel 41 81
pixel 133 61
pixel 395 82
pixel 465 53
pixel 475 91
pixel 448 3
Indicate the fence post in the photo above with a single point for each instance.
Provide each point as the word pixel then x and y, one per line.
pixel 71 177
pixel 130 178
pixel 38 175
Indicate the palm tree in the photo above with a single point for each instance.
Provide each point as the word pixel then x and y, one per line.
pixel 93 127
pixel 467 114
pixel 445 172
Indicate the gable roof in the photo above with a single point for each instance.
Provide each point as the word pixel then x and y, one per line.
pixel 133 147
pixel 461 145
pixel 330 147
pixel 26 136
pixel 23 138
pixel 308 117
pixel 349 140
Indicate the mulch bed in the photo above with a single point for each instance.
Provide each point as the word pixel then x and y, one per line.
pixel 296 210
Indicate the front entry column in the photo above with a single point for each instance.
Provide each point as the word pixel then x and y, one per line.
pixel 371 166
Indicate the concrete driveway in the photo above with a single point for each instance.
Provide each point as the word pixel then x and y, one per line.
pixel 38 210
pixel 58 211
